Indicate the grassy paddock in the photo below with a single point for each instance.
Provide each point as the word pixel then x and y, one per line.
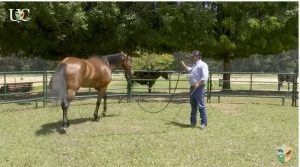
pixel 239 134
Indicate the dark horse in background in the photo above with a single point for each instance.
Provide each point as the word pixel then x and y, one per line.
pixel 289 78
pixel 73 73
pixel 148 78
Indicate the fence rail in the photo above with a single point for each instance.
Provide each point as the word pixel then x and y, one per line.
pixel 251 84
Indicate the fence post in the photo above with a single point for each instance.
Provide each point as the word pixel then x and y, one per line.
pixel 169 82
pixel 45 88
pixel 294 92
pixel 5 87
pixel 129 87
pixel 251 82
pixel 209 86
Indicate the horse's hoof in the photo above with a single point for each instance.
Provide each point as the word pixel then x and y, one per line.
pixel 62 130
pixel 103 114
pixel 96 118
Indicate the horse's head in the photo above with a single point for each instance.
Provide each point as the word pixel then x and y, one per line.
pixel 165 75
pixel 127 64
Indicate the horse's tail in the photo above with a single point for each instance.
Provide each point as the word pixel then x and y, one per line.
pixel 58 84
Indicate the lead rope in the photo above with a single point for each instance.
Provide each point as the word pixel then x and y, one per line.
pixel 170 99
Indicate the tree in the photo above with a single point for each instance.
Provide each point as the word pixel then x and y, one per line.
pixel 152 61
pixel 53 29
pixel 243 29
pixel 61 28
pixel 221 30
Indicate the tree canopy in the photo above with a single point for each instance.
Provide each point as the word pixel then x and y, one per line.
pixel 221 30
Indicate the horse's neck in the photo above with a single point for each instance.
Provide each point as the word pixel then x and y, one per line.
pixel 113 61
pixel 112 67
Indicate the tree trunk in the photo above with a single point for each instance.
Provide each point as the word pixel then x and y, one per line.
pixel 226 68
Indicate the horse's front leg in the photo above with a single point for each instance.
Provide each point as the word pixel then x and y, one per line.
pixel 101 93
pixel 104 105
pixel 150 84
pixel 279 85
pixel 97 107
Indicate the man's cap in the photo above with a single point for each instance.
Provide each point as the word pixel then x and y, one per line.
pixel 197 53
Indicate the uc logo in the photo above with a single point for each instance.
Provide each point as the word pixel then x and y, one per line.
pixel 19 14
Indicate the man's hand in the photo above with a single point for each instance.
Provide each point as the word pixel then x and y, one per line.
pixel 197 84
pixel 182 63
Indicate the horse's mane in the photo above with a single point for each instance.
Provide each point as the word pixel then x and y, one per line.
pixel 113 58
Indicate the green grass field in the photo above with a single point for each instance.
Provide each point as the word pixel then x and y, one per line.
pixel 240 133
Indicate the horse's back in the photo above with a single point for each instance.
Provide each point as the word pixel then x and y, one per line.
pixel 75 68
pixel 287 77
pixel 93 72
pixel 101 72
pixel 74 64
pixel 149 77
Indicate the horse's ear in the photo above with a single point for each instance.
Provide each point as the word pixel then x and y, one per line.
pixel 125 55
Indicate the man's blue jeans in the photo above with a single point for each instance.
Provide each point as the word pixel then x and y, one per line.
pixel 197 100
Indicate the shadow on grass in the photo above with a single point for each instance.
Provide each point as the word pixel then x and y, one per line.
pixel 178 124
pixel 52 127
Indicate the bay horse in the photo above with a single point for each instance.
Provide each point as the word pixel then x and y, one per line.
pixel 73 73
pixel 148 78
pixel 289 78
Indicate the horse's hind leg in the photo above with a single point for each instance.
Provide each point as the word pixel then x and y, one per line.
pixel 149 89
pixel 65 103
pixel 104 105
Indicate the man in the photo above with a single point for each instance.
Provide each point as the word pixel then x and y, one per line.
pixel 198 75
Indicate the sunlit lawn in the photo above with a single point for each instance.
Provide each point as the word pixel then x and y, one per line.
pixel 240 133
